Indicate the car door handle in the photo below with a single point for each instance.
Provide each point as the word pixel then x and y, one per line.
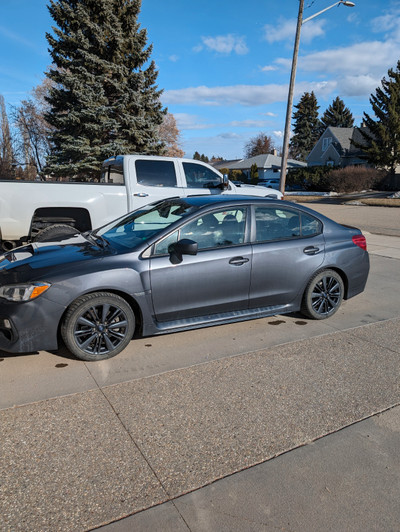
pixel 238 261
pixel 141 194
pixel 311 250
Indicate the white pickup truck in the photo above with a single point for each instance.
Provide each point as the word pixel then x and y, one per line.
pixel 43 210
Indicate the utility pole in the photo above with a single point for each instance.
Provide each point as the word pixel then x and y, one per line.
pixel 285 150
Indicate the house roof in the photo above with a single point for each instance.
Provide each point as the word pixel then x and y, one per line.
pixel 266 160
pixel 343 138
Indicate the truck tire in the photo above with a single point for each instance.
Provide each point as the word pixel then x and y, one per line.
pixel 55 232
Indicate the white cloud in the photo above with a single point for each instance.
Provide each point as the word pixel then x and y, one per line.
pixel 249 123
pixel 278 134
pixel 356 70
pixel 367 58
pixel 187 121
pixel 388 24
pixel 246 95
pixel 225 44
pixel 268 68
pixel 228 136
pixel 174 58
pixel 285 30
pixel 358 85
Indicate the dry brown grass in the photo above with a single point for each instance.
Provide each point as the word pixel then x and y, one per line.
pixel 302 199
pixel 376 202
pixel 382 202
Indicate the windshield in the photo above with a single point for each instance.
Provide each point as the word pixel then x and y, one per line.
pixel 140 225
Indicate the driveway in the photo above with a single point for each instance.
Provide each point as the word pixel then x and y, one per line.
pixel 86 444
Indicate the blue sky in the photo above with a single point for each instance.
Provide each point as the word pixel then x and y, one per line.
pixel 224 66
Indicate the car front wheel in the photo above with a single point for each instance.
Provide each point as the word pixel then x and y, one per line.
pixel 323 295
pixel 98 326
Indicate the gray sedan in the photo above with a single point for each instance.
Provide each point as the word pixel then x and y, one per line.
pixel 174 265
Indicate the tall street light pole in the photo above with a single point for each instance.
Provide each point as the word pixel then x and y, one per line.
pixel 300 21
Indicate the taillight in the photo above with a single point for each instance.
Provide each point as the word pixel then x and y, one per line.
pixel 360 241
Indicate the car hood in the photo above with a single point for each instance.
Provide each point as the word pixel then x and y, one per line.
pixel 45 255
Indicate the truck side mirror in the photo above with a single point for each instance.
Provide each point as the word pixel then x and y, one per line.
pixel 225 182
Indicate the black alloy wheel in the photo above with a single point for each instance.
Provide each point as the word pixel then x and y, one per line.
pixel 98 326
pixel 323 295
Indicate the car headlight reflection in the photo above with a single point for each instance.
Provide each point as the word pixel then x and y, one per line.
pixel 23 292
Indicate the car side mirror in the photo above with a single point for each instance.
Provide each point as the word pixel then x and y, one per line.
pixel 180 248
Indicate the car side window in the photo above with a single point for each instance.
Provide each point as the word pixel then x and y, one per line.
pixel 309 225
pixel 275 223
pixel 155 173
pixel 212 230
pixel 199 176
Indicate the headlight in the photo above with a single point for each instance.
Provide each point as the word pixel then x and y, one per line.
pixel 23 292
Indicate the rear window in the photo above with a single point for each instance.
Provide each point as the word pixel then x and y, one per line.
pixel 112 173
pixel 155 173
pixel 274 223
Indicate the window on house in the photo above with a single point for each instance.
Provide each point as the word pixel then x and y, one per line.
pixel 326 143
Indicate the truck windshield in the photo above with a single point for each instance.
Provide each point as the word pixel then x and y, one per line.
pixel 138 226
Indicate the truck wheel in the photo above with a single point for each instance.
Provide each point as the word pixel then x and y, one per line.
pixel 98 326
pixel 55 232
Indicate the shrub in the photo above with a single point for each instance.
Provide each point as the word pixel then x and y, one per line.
pixel 314 178
pixel 237 175
pixel 354 178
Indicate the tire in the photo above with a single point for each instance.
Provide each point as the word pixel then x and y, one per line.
pixel 323 295
pixel 55 232
pixel 98 326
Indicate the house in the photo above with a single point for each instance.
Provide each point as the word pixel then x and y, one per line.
pixel 335 148
pixel 268 165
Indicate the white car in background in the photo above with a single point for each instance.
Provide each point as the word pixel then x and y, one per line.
pixel 270 183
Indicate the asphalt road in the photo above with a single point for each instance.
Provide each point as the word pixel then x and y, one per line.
pixel 85 444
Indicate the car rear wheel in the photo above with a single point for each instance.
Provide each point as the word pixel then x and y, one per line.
pixel 323 295
pixel 98 326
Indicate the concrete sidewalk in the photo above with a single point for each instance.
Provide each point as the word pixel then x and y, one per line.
pixel 82 461
pixel 347 481
pixel 301 436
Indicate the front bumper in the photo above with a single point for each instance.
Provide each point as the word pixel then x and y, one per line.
pixel 29 326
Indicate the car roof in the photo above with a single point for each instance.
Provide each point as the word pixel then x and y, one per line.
pixel 221 199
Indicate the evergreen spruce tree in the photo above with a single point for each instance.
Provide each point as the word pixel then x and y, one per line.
pixel 254 174
pixel 382 134
pixel 307 128
pixel 103 97
pixel 337 115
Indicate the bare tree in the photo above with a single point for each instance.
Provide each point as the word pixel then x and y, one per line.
pixel 6 144
pixel 34 130
pixel 170 136
pixel 258 145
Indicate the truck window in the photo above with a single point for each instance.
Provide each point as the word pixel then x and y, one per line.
pixel 112 173
pixel 199 176
pixel 155 173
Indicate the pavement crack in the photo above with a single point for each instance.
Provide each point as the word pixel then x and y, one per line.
pixel 142 454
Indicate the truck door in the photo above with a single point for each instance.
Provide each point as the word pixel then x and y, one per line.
pixel 151 180
pixel 200 179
